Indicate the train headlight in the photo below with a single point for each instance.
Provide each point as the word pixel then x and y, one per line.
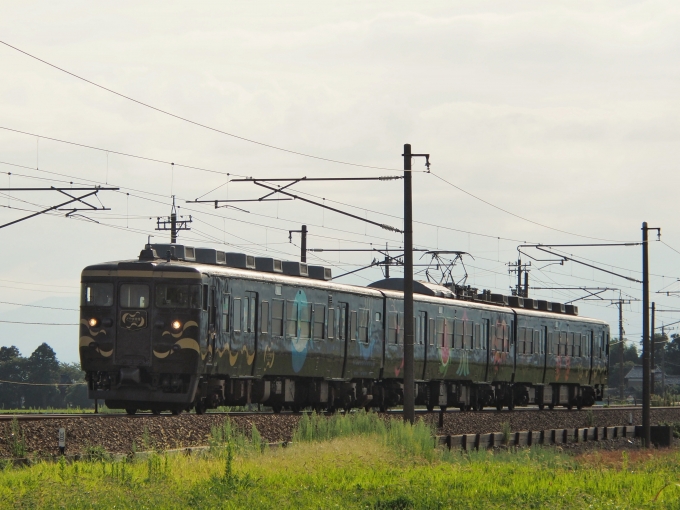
pixel 176 325
pixel 93 322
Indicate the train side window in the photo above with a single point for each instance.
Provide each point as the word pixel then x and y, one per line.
pixel 353 325
pixel 400 328
pixel 277 317
pixel 291 318
pixel 319 321
pixel 563 343
pixel 421 328
pixel 467 335
pixel 440 332
pixel 342 321
pixel 264 314
pixel 485 334
pixel 478 334
pixel 237 314
pixel 331 323
pixel 205 298
pixel 430 331
pixel 577 345
pixel 536 349
pixel 458 336
pixel 225 311
pixel 418 330
pixel 506 339
pixel 363 325
pixel 570 344
pixel 305 320
pixel 521 340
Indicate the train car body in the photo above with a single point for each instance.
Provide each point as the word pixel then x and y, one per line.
pixel 200 329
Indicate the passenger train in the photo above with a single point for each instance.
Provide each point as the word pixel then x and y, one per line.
pixel 183 327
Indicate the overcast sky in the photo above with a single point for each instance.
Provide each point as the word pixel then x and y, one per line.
pixel 563 113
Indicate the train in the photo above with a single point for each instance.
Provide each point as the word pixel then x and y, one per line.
pixel 182 328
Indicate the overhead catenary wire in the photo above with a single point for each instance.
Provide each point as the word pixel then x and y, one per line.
pixel 196 123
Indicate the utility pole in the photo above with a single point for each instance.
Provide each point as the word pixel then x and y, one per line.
pixel 623 346
pixel 663 363
pixel 651 350
pixel 303 241
pixel 409 380
pixel 646 396
pixel 520 268
pixel 387 262
pixel 175 225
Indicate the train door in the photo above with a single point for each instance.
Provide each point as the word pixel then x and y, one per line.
pixel 341 319
pixel 545 350
pixel 133 341
pixel 244 323
pixel 212 327
pixel 486 328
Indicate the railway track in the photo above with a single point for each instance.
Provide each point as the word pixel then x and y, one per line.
pixel 488 411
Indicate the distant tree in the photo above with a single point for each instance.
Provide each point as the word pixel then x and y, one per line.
pixel 43 368
pixel 672 355
pixel 12 368
pixel 8 353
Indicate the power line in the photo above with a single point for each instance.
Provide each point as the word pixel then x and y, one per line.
pixel 39 306
pixel 195 123
pixel 516 215
pixel 40 323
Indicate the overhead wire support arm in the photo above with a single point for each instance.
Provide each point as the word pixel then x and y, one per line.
pixel 265 183
pixel 80 199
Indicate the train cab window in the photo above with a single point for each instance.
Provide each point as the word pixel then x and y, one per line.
pixel 225 312
pixel 277 317
pixel 97 294
pixel 305 322
pixel 319 321
pixel 178 296
pixel 353 325
pixel 331 323
pixel 264 315
pixel 237 315
pixel 467 335
pixel 378 317
pixel 134 296
pixel 458 337
pixel 363 325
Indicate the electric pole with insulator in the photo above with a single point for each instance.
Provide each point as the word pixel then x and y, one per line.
pixel 303 241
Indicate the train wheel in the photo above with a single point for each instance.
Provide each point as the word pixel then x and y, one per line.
pixel 382 408
pixel 296 409
pixel 155 412
pixel 541 407
pixel 570 406
pixel 430 408
pixel 499 406
pixel 131 411
pixel 176 412
pixel 276 408
pixel 511 405
pixel 200 407
pixel 551 406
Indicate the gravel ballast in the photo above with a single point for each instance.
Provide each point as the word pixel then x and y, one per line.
pixel 119 434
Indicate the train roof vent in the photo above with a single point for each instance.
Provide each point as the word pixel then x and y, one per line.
pixel 209 256
pixel 240 260
pixel 148 253
pixel 558 308
pixel 320 272
pixel 177 251
pixel 295 268
pixel 499 299
pixel 268 264
pixel 571 309
pixel 545 306
pixel 530 304
pixel 419 287
pixel 516 301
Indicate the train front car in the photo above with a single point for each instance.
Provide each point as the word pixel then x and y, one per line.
pixel 139 333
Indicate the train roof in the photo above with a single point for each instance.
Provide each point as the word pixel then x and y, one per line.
pixel 185 262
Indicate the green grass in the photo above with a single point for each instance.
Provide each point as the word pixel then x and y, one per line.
pixel 348 461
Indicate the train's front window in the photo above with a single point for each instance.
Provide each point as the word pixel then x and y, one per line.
pixel 178 296
pixel 134 296
pixel 96 294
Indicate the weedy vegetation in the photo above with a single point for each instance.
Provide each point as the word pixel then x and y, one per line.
pixel 355 460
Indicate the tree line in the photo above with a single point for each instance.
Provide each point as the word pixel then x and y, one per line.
pixel 40 368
